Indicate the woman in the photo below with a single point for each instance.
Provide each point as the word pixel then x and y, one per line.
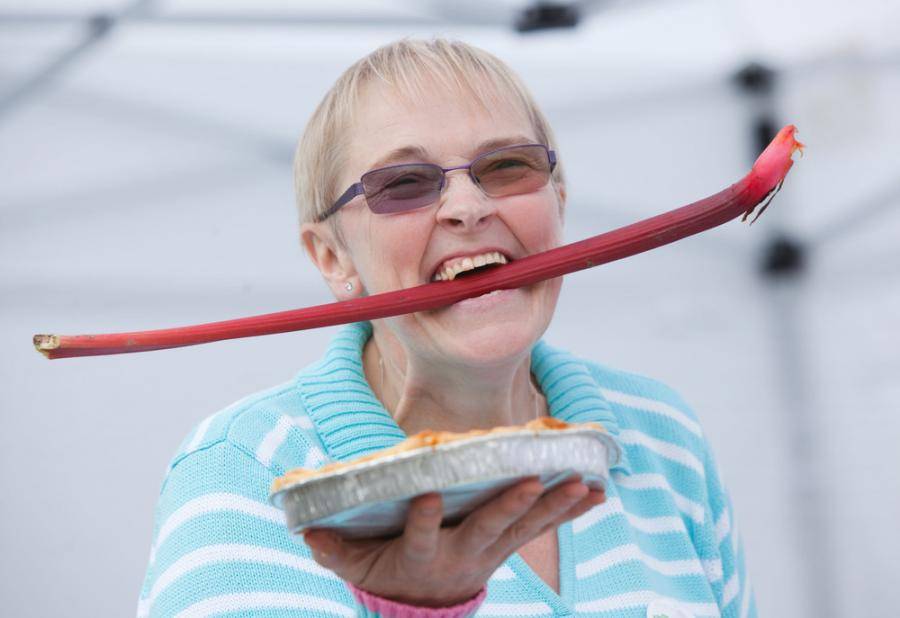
pixel 424 160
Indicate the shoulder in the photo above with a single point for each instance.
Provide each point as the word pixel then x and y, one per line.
pixel 273 426
pixel 640 399
pixel 270 426
pixel 659 431
pixel 637 400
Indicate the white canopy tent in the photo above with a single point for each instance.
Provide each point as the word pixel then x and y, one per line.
pixel 145 182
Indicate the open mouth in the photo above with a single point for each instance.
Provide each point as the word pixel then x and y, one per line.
pixel 477 269
pixel 464 266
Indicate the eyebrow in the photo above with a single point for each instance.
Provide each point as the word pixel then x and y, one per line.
pixel 500 142
pixel 418 152
pixel 404 152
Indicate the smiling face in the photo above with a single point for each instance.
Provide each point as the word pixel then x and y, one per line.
pixel 390 252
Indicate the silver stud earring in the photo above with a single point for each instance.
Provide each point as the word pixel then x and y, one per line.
pixel 348 286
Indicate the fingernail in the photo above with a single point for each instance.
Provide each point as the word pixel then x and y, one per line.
pixel 576 491
pixel 317 541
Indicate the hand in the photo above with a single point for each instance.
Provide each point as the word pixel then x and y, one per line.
pixel 431 566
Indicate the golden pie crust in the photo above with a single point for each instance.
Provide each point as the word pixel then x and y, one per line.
pixel 428 438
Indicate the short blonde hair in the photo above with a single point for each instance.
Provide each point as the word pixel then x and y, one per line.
pixel 408 66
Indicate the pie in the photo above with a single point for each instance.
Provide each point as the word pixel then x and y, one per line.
pixel 424 439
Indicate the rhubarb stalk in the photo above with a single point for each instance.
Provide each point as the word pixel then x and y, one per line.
pixel 756 189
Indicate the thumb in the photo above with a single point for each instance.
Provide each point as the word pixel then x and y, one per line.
pixel 349 560
pixel 325 547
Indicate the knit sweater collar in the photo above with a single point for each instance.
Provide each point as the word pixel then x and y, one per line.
pixel 352 422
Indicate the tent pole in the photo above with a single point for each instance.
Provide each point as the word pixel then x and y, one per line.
pixel 783 267
pixel 98 29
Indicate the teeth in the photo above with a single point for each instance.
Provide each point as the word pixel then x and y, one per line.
pixel 450 269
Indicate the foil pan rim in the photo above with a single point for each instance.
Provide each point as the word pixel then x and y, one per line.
pixel 614 454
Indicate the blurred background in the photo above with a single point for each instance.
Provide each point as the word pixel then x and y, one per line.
pixel 145 182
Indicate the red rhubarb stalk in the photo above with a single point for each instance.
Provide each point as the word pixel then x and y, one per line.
pixel 755 189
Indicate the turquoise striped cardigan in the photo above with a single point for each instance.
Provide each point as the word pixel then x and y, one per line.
pixel 666 533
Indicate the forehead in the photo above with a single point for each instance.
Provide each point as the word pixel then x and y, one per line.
pixel 442 122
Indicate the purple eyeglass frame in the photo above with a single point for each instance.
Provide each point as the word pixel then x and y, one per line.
pixel 358 189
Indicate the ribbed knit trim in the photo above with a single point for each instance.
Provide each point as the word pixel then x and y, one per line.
pixel 385 608
pixel 352 422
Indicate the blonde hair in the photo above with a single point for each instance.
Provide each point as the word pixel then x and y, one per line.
pixel 408 66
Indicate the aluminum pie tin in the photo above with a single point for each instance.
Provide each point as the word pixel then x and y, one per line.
pixel 371 499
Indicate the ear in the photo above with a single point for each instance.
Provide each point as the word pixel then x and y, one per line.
pixel 331 258
pixel 561 197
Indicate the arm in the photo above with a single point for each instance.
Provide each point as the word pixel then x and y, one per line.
pixel 219 546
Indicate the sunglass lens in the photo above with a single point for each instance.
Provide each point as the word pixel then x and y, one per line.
pixel 401 187
pixel 512 171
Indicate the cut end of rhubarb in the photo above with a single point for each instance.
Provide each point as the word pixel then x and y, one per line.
pixel 45 344
pixel 777 158
pixel 787 137
pixel 772 166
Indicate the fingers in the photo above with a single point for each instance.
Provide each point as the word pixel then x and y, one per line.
pixel 592 499
pixel 495 530
pixel 352 559
pixel 484 526
pixel 552 507
pixel 423 524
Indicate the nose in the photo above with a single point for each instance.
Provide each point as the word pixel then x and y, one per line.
pixel 464 207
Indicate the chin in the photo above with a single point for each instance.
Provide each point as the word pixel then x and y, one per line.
pixel 495 340
pixel 489 331
pixel 495 344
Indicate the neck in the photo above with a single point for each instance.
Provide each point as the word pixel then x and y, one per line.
pixel 422 395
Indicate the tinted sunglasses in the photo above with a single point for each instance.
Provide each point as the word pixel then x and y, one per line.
pixel 511 170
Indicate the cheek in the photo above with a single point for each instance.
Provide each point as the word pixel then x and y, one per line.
pixel 536 223
pixel 394 248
